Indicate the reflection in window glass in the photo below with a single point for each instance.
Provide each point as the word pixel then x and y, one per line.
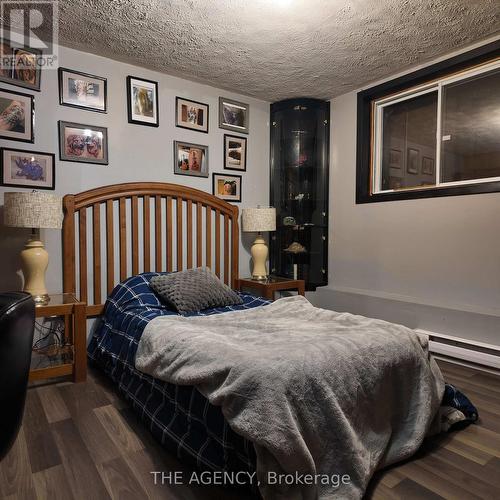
pixel 471 129
pixel 409 143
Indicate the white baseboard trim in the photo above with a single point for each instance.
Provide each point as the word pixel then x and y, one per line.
pixel 464 351
pixel 460 340
pixel 468 355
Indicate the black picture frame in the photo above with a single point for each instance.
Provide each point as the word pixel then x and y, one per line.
pixel 239 138
pixel 30 186
pixel 222 174
pixel 31 138
pixel 460 62
pixel 61 72
pixel 244 129
pixel 133 120
pixel 207 119
pixel 75 159
pixel 11 80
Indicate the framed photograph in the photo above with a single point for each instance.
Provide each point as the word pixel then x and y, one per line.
pixel 412 161
pixel 191 114
pixel 17 116
pixel 427 165
pixel 142 101
pixel 227 187
pixel 190 159
pixel 235 153
pixel 20 66
pixel 83 143
pixel 233 115
pixel 395 158
pixel 80 90
pixel 27 169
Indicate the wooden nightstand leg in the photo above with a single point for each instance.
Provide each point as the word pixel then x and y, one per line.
pixel 301 289
pixel 80 344
pixel 269 294
pixel 68 327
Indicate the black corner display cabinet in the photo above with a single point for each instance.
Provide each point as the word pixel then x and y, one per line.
pixel 300 131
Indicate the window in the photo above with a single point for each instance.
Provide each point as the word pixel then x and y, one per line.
pixel 470 147
pixel 434 132
pixel 446 133
pixel 407 132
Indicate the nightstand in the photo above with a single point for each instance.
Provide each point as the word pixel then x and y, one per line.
pixel 271 285
pixel 71 359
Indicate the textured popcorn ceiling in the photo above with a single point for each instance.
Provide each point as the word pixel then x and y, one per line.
pixel 276 49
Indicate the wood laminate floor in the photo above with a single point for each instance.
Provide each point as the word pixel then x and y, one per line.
pixel 81 441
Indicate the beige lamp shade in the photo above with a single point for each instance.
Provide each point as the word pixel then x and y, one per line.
pixel 258 219
pixel 33 210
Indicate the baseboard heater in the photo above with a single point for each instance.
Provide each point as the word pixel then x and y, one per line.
pixel 453 348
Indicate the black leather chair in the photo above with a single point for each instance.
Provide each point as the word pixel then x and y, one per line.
pixel 17 322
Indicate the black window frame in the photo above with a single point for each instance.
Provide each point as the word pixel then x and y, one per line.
pixel 365 136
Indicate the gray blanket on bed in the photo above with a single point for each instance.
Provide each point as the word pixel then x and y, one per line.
pixel 326 397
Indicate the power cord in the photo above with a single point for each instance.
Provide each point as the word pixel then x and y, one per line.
pixel 52 353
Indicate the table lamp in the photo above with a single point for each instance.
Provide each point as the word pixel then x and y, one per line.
pixel 258 220
pixel 36 211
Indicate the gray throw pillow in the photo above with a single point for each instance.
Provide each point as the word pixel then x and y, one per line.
pixel 193 290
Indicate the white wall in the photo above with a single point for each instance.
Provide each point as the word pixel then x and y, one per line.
pixel 136 153
pixel 431 263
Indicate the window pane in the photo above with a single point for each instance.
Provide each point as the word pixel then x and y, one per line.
pixel 471 128
pixel 409 143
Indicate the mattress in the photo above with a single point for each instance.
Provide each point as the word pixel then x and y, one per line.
pixel 179 417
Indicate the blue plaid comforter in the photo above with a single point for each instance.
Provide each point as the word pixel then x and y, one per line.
pixel 179 417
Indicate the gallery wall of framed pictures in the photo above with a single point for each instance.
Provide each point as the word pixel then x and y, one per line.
pixel 192 159
pixel 84 140
pixel 88 94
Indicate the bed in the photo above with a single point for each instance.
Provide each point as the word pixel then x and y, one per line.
pixel 142 230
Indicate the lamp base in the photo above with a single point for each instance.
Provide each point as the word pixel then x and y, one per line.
pixel 257 277
pixel 35 260
pixel 259 256
pixel 41 300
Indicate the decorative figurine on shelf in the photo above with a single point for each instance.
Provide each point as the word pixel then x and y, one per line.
pixel 296 247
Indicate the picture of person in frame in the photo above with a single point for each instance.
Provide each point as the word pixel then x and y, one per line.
pixel 195 158
pixel 24 66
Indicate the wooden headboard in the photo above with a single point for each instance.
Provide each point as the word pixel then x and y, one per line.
pixel 117 231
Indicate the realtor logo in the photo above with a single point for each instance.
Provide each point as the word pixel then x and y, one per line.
pixel 33 26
